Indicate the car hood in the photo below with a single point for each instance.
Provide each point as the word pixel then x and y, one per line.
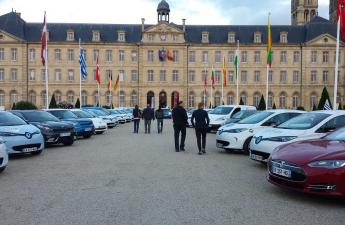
pixel 238 126
pixel 21 129
pixel 53 124
pixel 304 152
pixel 276 132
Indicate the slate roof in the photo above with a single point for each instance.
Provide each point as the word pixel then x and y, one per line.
pixel 218 34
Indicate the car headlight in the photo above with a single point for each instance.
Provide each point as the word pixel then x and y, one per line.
pixel 328 164
pixel 282 138
pixel 8 134
pixel 239 130
pixel 44 128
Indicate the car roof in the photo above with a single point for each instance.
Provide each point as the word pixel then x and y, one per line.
pixel 331 112
pixel 285 110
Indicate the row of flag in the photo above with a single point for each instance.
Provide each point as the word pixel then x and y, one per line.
pixel 165 55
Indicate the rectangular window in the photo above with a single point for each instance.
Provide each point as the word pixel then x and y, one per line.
pixel 257 57
pixel 204 57
pixel 134 75
pixel 231 57
pixel 121 75
pixel 150 37
pixel 282 76
pixel 325 57
pixel 243 76
pixel 32 54
pixel 109 55
pixel 191 56
pixel 43 74
pixel 218 57
pixel 14 54
pixel 162 76
pixel 191 76
pixel 175 56
pixel 95 54
pixel 270 76
pixel 150 56
pixel 14 74
pixel 218 77
pixel 257 38
pixel 2 74
pixel 295 77
pixel 296 56
pixel 313 57
pixel 256 76
pixel 57 75
pixel 175 37
pixel 70 56
pixel 325 76
pixel 335 54
pixel 57 55
pixel 121 56
pixel 175 76
pixel 150 77
pixel 231 77
pixel 2 54
pixel 313 76
pixel 204 75
pixel 70 75
pixel 244 57
pixel 283 57
pixel 32 75
pixel 134 56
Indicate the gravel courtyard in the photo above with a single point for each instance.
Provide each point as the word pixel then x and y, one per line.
pixel 132 179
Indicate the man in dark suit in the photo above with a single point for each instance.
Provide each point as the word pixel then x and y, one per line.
pixel 201 124
pixel 180 120
pixel 148 115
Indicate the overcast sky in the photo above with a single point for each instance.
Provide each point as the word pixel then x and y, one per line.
pixel 228 12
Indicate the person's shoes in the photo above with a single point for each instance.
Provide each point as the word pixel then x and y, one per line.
pixel 182 149
pixel 176 150
pixel 200 153
pixel 204 151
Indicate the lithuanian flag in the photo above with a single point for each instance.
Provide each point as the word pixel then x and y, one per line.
pixel 269 44
pixel 116 85
pixel 224 72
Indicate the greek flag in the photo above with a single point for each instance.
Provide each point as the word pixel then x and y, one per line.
pixel 82 64
pixel 327 106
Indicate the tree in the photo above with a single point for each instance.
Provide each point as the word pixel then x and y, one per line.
pixel 241 102
pixel 324 97
pixel 22 105
pixel 274 106
pixel 77 104
pixel 314 108
pixel 14 106
pixel 262 104
pixel 340 107
pixel 52 104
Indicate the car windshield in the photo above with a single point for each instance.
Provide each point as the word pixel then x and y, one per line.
pixel 243 114
pixel 97 112
pixel 256 118
pixel 338 135
pixel 8 119
pixel 39 116
pixel 82 114
pixel 105 111
pixel 304 121
pixel 221 110
pixel 63 114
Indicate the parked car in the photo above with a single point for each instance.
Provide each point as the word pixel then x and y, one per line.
pixel 83 127
pixel 238 117
pixel 99 124
pixel 166 113
pixel 312 166
pixel 221 113
pixel 3 155
pixel 53 130
pixel 19 136
pixel 111 120
pixel 308 126
pixel 238 136
pixel 120 116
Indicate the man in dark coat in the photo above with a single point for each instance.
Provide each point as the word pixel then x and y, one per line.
pixel 201 124
pixel 180 120
pixel 148 115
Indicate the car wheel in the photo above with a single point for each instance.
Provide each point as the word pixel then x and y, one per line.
pixel 2 169
pixel 246 146
pixel 87 135
pixel 99 132
pixel 36 152
pixel 68 141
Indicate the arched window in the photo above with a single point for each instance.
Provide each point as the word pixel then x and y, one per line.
pixel 282 100
pixel 204 98
pixel 313 100
pixel 230 98
pixel 122 99
pixel 244 97
pixel 270 100
pixel 44 99
pixel 217 99
pixel 191 100
pixel 134 99
pixel 58 97
pixel 83 98
pixel 109 97
pixel 2 98
pixel 13 97
pixel 256 99
pixel 32 97
pixel 70 97
pixel 96 98
pixel 295 100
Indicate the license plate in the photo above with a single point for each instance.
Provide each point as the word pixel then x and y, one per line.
pixel 88 129
pixel 65 134
pixel 256 157
pixel 220 145
pixel 30 149
pixel 281 172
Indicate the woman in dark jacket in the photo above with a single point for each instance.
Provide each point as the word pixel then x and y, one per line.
pixel 136 117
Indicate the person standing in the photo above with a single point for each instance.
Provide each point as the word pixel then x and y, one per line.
pixel 180 121
pixel 201 124
pixel 136 118
pixel 159 117
pixel 148 115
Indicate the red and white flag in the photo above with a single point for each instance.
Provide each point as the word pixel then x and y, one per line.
pixel 341 17
pixel 44 41
pixel 98 75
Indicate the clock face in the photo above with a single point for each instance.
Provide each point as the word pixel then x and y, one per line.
pixel 163 37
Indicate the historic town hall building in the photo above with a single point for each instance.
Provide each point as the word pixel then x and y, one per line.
pixel 303 60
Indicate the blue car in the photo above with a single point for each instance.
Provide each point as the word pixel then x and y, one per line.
pixel 19 136
pixel 83 127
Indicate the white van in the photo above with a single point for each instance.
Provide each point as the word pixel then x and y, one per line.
pixel 221 113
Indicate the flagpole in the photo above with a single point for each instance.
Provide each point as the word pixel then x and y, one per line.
pixel 237 80
pixel 267 73
pixel 223 81
pixel 336 67
pixel 212 86
pixel 46 64
pixel 80 52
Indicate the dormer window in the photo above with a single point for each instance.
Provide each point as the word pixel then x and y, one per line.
pixel 150 37
pixel 231 37
pixel 70 35
pixel 96 36
pixel 121 36
pixel 205 37
pixel 257 37
pixel 283 37
pixel 2 37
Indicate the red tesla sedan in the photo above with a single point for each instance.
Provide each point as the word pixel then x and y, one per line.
pixel 313 166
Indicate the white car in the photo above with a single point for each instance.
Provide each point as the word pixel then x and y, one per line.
pixel 3 155
pixel 312 125
pixel 221 113
pixel 99 124
pixel 238 135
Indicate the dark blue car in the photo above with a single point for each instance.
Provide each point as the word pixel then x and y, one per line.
pixel 83 127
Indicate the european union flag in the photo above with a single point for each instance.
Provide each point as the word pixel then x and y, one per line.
pixel 82 64
pixel 162 55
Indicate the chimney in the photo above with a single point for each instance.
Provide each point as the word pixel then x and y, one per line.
pixel 142 24
pixel 184 25
pixel 18 13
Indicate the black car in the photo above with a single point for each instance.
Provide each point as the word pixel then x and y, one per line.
pixel 53 130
